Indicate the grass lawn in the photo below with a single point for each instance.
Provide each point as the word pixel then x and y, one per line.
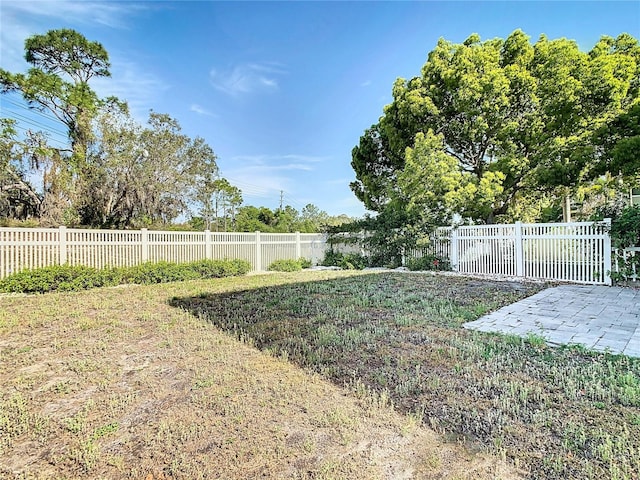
pixel 354 376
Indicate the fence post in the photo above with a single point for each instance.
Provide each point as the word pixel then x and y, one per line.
pixel 62 242
pixel 607 252
pixel 314 261
pixel 454 250
pixel 519 247
pixel 298 246
pixel 258 252
pixel 207 244
pixel 145 245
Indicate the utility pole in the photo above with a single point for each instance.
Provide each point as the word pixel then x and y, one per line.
pixel 281 194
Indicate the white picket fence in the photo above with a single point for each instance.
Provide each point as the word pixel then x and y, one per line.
pixel 577 252
pixel 571 252
pixel 29 248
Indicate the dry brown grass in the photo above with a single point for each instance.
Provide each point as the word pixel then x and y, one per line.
pixel 115 383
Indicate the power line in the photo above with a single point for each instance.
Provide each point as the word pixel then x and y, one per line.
pixel 36 114
pixel 34 117
pixel 260 191
pixel 257 192
pixel 251 188
pixel 63 144
pixel 294 203
pixel 35 123
pixel 246 188
pixel 35 110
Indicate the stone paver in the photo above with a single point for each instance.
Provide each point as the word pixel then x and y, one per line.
pixel 600 318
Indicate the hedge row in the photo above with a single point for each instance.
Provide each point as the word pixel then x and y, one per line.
pixel 72 278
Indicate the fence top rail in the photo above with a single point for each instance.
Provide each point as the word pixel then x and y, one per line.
pixel 68 230
pixel 592 223
pixel 531 225
pixel 22 229
pixel 150 232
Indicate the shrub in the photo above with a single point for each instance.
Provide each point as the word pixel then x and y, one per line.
pixel 428 262
pixel 74 278
pixel 625 230
pixel 220 268
pixel 161 272
pixel 305 262
pixel 347 261
pixel 331 258
pixel 354 261
pixel 288 265
pixel 285 266
pixel 58 277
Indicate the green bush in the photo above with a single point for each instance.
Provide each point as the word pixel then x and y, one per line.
pixel 429 262
pixel 285 266
pixel 305 262
pixel 220 268
pixel 347 261
pixel 161 272
pixel 74 278
pixel 289 265
pixel 332 259
pixel 58 277
pixel 625 230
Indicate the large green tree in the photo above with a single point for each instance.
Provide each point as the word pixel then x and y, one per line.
pixel 62 64
pixel 115 173
pixel 491 129
pixel 218 202
pixel 375 165
pixel 144 175
pixel 312 219
pixel 435 188
pixel 618 146
pixel 285 220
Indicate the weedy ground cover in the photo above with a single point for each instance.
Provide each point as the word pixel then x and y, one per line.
pixel 558 413
pixel 116 383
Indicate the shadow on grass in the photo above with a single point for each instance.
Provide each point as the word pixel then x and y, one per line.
pixel 563 413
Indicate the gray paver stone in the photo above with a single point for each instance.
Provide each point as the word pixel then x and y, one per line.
pixel 597 317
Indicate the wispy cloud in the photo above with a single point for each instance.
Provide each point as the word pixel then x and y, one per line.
pixel 130 82
pixel 279 162
pixel 366 83
pixel 110 14
pixel 201 110
pixel 12 37
pixel 264 176
pixel 247 78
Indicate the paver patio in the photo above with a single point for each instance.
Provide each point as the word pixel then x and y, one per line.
pixel 600 318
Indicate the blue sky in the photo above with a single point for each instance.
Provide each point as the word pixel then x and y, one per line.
pixel 282 91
